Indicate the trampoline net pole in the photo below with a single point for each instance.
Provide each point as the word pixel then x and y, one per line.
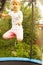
pixel 32 28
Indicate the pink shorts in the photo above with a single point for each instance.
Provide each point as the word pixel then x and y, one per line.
pixel 14 32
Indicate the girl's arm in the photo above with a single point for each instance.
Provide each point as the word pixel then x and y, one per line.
pixel 4 15
pixel 20 19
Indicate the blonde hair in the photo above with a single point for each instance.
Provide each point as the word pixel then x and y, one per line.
pixel 15 1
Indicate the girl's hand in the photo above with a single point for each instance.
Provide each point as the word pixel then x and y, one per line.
pixel 19 23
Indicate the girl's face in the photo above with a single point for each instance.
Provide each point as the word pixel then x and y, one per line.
pixel 15 6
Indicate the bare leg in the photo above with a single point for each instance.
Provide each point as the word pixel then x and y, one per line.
pixel 8 35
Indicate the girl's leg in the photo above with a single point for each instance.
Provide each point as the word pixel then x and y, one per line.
pixel 8 35
pixel 19 35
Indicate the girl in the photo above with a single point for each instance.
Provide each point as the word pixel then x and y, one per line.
pixel 17 18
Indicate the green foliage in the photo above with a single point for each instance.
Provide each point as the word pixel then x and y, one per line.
pixel 27 23
pixel 20 49
pixel 37 53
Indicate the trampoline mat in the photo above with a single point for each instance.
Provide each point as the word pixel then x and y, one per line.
pixel 17 63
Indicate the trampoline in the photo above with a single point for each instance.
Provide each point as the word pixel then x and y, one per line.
pixel 19 60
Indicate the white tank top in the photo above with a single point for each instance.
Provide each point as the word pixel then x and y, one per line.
pixel 16 17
